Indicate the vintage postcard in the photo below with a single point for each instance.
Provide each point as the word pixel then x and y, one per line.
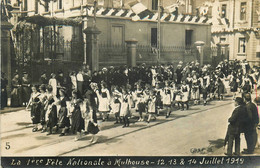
pixel 130 83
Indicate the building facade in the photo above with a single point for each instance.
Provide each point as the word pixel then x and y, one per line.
pixel 240 29
pixel 59 24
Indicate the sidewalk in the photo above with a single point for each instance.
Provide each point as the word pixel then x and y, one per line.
pixel 11 109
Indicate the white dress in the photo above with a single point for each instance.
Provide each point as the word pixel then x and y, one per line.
pixel 178 94
pixel 166 96
pixel 151 104
pixel 53 83
pixel 74 82
pixel 125 106
pixel 103 100
pixel 185 91
pixel 115 106
pixel 195 93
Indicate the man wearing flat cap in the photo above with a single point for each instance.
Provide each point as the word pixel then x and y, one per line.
pixel 236 122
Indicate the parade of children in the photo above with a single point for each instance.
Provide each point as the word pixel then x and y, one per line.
pixel 79 103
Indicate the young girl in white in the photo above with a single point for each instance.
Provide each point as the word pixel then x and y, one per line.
pixel 185 89
pixel 115 104
pixel 151 107
pixel 103 100
pixel 158 95
pixel 125 107
pixel 178 96
pixel 140 100
pixel 195 91
pixel 166 98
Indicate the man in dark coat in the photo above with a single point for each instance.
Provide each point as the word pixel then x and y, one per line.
pixel 250 127
pixel 4 83
pixel 43 79
pixel 236 122
pixel 179 73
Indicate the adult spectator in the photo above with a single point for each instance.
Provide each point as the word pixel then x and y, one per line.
pixel 44 79
pixel 251 125
pixel 53 83
pixel 234 127
pixel 16 91
pixel 4 83
pixel 80 81
pixel 26 89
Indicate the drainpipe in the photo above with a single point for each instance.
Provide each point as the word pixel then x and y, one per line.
pixel 252 19
pixel 233 24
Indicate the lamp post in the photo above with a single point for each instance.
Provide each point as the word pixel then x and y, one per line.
pixel 159 33
pixel 95 13
pixel 92 48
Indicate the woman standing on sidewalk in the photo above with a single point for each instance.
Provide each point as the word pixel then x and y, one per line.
pixel 53 83
pixel 16 100
pixel 26 91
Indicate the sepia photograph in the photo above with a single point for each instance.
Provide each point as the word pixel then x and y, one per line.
pixel 130 83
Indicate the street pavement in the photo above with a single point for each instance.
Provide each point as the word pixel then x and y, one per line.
pixel 195 132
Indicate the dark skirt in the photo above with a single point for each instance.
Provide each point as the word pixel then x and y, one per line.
pixel 233 86
pixel 42 114
pixel 141 107
pixel 77 121
pixel 52 118
pixel 16 97
pixel 35 113
pixel 221 89
pixel 204 93
pixel 63 120
pixel 92 129
pixel 26 93
pixel 212 88
pixel 3 98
